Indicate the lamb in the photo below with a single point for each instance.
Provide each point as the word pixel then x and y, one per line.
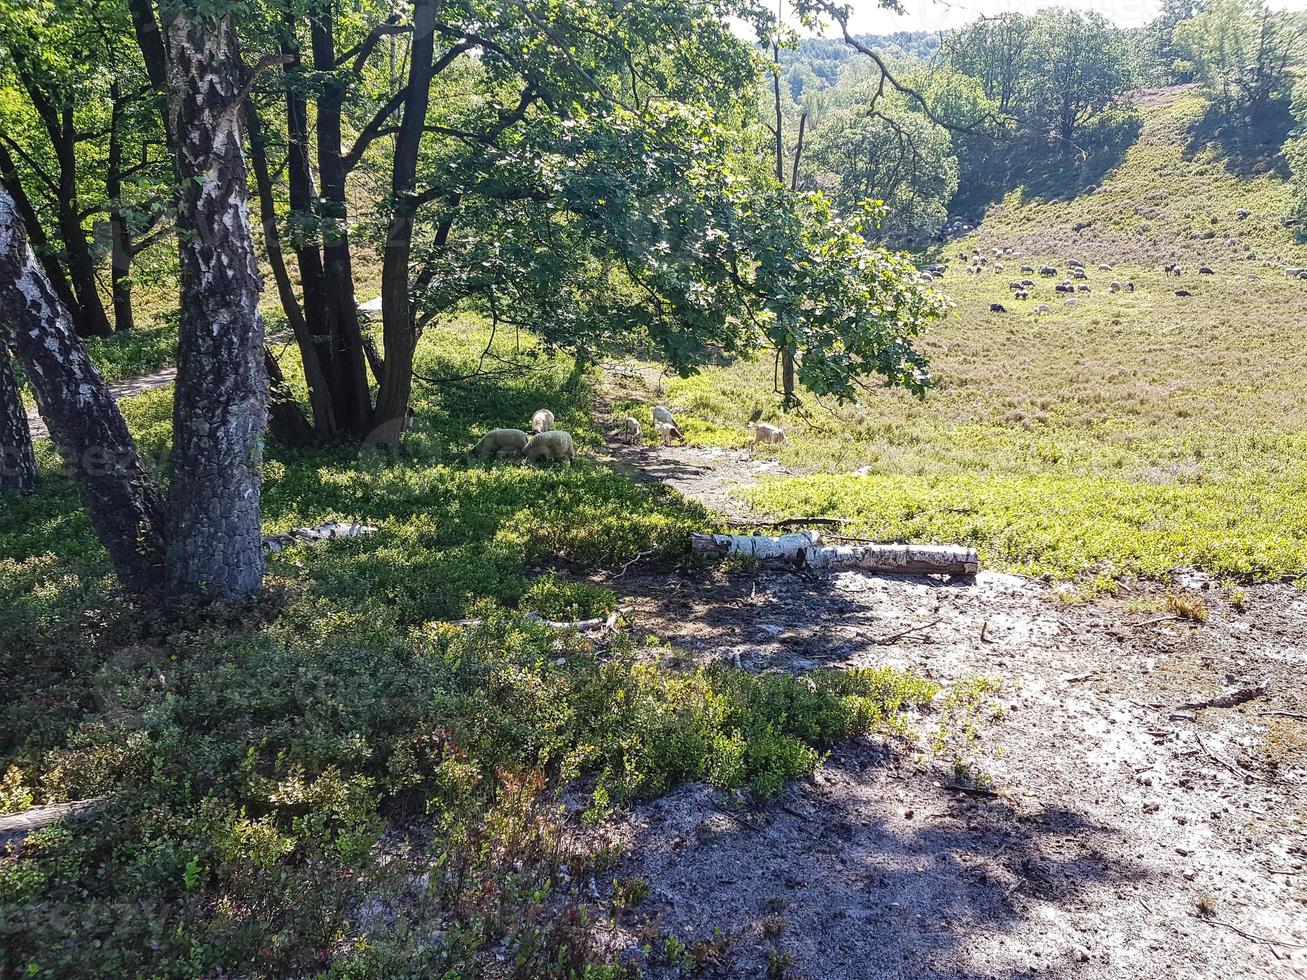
pixel 667 431
pixel 554 444
pixel 542 421
pixel 772 435
pixel 1129 286
pixel 998 266
pixel 631 431
pixel 497 443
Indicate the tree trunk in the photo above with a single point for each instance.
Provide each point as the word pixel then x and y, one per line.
pixel 120 260
pixel 215 547
pixel 17 461
pixel 92 321
pixel 286 421
pixel 787 376
pixel 398 327
pixel 118 492
pixel 319 392
pixel 353 400
pixel 54 272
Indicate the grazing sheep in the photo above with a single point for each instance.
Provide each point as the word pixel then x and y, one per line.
pixel 1078 273
pixel 1174 269
pixel 998 266
pixel 1083 287
pixel 1073 302
pixel 1105 267
pixel 542 421
pixel 1043 308
pixel 1114 286
pixel 1129 286
pixel 1013 284
pixel 1028 269
pixel 1206 270
pixel 1241 213
pixel 1047 270
pixel 1021 294
pixel 499 442
pixel 1065 287
pixel 663 414
pixel 554 444
pixel 997 308
pixel 667 431
pixel 1294 273
pixel 772 435
pixel 1183 292
pixel 1075 263
pixel 631 431
pixel 1027 283
pixel 925 277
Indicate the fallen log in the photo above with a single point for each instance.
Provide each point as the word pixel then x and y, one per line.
pixel 759 546
pixel 322 532
pixel 19 825
pixel 898 559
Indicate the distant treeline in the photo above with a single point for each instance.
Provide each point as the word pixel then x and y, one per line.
pixel 1040 100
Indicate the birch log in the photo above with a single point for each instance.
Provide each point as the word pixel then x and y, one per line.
pixel 758 546
pixel 903 559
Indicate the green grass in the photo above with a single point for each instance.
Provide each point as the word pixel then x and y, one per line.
pixel 280 774
pixel 1129 435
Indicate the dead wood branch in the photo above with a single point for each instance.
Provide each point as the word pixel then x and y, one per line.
pixel 911 629
pixel 18 825
pixel 322 532
pixel 1229 698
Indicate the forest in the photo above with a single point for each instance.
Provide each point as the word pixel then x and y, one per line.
pixel 518 489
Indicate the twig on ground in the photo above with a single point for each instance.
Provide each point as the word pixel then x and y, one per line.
pixel 970 790
pixel 983 627
pixel 1229 698
pixel 1249 935
pixel 1284 714
pixel 642 554
pixel 1154 621
pixel 911 629
pixel 1237 770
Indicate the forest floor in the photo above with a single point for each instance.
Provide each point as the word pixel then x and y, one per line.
pixel 1091 827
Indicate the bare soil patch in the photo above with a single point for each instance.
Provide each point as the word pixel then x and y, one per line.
pixel 1112 835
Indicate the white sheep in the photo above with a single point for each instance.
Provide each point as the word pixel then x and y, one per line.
pixel 554 444
pixel 772 435
pixel 542 421
pixel 499 442
pixel 1043 308
pixel 631 431
pixel 1105 267
pixel 667 431
pixel 663 414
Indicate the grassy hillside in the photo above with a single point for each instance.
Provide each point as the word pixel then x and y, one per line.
pixel 1174 194
pixel 1131 433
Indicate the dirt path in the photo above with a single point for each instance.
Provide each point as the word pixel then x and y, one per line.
pixel 119 390
pixel 1116 840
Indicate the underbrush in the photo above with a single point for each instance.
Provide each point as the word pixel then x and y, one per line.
pixel 342 779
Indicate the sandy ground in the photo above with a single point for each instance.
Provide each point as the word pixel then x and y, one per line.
pixel 1117 836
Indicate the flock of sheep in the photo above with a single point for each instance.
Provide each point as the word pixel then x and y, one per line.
pixel 544 442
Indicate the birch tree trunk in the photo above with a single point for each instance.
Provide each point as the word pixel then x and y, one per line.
pixel 17 461
pixel 118 492
pixel 215 547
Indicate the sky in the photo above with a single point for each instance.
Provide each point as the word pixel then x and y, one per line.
pixel 937 15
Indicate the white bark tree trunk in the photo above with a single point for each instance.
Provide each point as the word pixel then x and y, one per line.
pixel 17 461
pixel 220 405
pixel 118 492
